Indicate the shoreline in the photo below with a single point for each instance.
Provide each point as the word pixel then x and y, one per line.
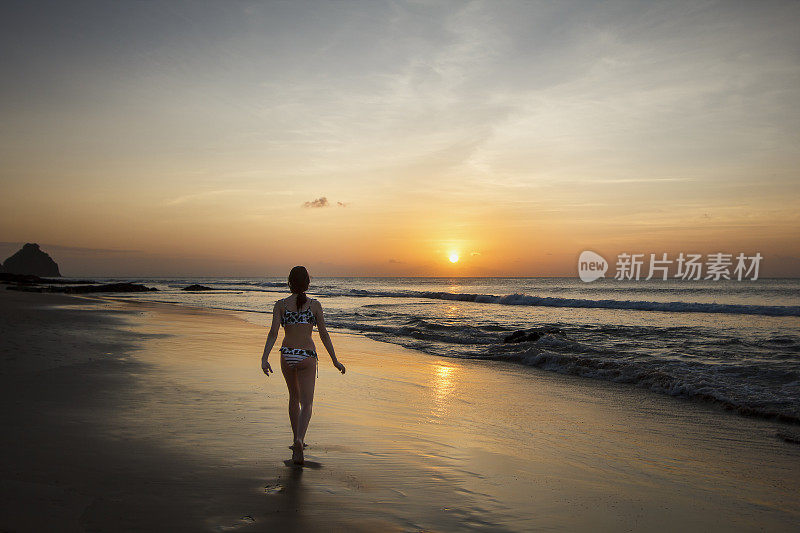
pixel 181 431
pixel 788 426
pixel 740 364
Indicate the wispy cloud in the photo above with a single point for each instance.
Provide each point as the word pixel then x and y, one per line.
pixel 319 202
pixel 638 180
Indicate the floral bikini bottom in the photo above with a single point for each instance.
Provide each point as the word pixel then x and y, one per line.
pixel 294 356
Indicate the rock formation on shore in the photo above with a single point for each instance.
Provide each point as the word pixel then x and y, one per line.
pixel 82 289
pixel 197 287
pixel 532 334
pixel 29 279
pixel 30 260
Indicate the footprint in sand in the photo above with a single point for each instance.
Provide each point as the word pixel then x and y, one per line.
pixel 273 488
pixel 231 524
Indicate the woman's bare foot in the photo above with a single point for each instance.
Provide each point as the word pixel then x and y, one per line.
pixel 297 452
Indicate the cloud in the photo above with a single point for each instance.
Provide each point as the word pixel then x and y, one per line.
pixel 395 261
pixel 319 202
pixel 341 204
pixel 473 254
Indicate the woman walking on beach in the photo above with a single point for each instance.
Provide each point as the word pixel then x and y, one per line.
pixel 298 314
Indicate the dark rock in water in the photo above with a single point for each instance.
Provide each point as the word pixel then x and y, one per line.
pixel 532 334
pixel 197 287
pixel 70 281
pixel 82 289
pixel 28 279
pixel 108 287
pixel 31 260
pixel 5 277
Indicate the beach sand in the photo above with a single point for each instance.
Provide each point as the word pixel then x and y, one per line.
pixel 124 416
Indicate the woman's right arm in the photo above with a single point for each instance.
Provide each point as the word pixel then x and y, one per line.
pixel 272 336
pixel 324 336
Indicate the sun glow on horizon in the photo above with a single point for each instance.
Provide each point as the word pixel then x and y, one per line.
pixel 453 136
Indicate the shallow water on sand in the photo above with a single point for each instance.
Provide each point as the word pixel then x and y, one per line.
pixel 735 344
pixel 408 441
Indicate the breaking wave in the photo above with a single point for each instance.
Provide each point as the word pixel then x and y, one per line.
pixel 546 301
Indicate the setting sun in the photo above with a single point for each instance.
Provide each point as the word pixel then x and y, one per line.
pixel 454 257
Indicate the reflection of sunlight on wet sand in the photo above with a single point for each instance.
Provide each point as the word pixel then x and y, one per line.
pixel 486 442
pixel 442 387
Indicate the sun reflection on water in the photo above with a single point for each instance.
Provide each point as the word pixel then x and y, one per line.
pixel 442 386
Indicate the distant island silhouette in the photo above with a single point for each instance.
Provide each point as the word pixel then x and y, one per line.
pixel 31 260
pixel 33 270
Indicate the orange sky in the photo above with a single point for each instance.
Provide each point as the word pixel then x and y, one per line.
pixel 141 140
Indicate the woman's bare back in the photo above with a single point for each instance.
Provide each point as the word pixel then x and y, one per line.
pixel 298 335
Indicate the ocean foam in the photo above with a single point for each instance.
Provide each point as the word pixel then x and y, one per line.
pixel 545 301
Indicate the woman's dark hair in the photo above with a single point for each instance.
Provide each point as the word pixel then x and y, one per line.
pixel 298 283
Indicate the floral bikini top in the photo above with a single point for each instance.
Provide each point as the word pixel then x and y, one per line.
pixel 298 317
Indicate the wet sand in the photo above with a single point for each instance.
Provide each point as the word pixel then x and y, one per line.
pixel 125 416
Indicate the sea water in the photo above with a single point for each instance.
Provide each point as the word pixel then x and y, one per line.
pixel 732 343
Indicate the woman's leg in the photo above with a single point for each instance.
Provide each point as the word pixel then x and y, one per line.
pixel 290 375
pixel 306 379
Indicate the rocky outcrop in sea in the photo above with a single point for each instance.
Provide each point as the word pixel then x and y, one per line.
pixel 31 260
